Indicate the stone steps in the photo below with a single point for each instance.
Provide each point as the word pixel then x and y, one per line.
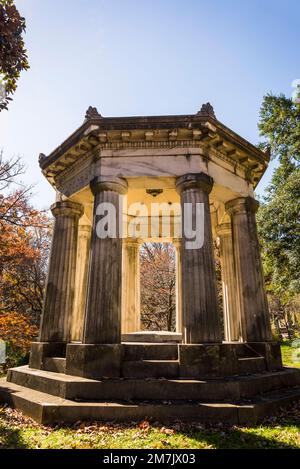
pixel 141 351
pixel 49 409
pixel 73 387
pixel 250 365
pixel 150 369
pixel 55 364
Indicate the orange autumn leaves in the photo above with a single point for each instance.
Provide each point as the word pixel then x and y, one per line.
pixel 24 248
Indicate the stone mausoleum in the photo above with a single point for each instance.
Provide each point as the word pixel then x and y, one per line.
pixel 91 360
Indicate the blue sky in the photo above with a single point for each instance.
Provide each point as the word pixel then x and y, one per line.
pixel 130 57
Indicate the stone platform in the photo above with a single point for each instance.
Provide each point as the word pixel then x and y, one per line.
pixel 55 398
pixel 235 383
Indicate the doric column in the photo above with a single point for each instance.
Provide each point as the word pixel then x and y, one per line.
pixel 82 264
pixel 103 309
pixel 60 288
pixel 251 295
pixel 232 323
pixel 199 292
pixel 177 244
pixel 131 286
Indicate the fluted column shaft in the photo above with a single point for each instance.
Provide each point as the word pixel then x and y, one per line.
pixel 82 264
pixel 199 292
pixel 103 309
pixel 60 287
pixel 177 244
pixel 131 286
pixel 251 295
pixel 232 323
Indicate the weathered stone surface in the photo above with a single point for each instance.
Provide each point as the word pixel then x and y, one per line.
pixel 199 293
pixel 251 295
pixel 207 360
pixel 208 390
pixel 103 310
pixel 59 295
pixel 48 409
pixel 232 321
pixel 82 264
pixel 131 321
pixel 155 337
pixel 94 361
pixel 271 351
pixel 42 350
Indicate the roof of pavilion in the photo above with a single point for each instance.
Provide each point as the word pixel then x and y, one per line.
pixel 201 129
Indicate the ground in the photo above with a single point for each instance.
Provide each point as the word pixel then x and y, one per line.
pixel 280 431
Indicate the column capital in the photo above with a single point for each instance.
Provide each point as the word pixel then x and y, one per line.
pixel 67 208
pixel 104 183
pixel 177 242
pixel 224 229
pixel 132 242
pixel 192 181
pixel 242 205
pixel 85 229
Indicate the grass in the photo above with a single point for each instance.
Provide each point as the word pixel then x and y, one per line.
pixel 290 356
pixel 17 431
pixel 280 431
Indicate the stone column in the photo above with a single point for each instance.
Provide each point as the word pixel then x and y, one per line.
pixel 82 264
pixel 232 323
pixel 103 309
pixel 251 295
pixel 177 245
pixel 199 292
pixel 60 288
pixel 131 286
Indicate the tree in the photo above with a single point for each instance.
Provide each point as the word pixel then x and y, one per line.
pixel 279 214
pixel 158 284
pixel 24 248
pixel 13 55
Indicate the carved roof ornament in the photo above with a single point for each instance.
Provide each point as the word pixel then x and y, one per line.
pixel 92 113
pixel 42 158
pixel 207 110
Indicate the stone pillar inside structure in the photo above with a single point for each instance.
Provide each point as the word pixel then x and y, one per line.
pixel 60 287
pixel 232 323
pixel 82 265
pixel 251 295
pixel 131 286
pixel 177 244
pixel 199 292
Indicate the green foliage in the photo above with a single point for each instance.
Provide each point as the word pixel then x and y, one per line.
pixel 278 217
pixel 13 55
pixel 280 125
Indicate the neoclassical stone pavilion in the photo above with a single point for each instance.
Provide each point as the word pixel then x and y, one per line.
pixel 91 359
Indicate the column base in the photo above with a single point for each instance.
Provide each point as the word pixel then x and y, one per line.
pixel 41 350
pixel 206 361
pixel 95 361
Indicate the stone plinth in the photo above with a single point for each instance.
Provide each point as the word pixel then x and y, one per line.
pixel 96 361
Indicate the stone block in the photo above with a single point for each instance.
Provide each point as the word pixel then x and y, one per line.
pixel 41 350
pixel 96 361
pixel 207 360
pixel 271 352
